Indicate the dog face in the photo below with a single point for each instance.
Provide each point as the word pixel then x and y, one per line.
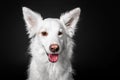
pixel 51 33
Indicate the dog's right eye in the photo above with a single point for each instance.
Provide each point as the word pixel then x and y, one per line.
pixel 44 33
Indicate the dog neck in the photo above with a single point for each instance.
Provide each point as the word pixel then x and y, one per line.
pixel 49 71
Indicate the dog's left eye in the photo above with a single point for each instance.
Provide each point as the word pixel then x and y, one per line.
pixel 60 33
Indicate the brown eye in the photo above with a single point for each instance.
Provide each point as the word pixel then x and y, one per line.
pixel 44 33
pixel 60 33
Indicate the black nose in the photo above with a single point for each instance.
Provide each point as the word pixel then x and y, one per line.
pixel 54 47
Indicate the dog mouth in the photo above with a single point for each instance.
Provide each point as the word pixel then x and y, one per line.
pixel 53 57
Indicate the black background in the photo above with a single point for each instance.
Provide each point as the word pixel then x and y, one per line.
pixel 94 54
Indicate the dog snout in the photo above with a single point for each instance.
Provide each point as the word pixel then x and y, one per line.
pixel 54 47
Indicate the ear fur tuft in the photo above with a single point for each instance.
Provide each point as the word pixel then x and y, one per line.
pixel 31 19
pixel 70 20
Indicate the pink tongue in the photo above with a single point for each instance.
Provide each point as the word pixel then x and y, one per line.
pixel 53 57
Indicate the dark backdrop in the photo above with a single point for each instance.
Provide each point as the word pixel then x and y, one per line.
pixel 94 55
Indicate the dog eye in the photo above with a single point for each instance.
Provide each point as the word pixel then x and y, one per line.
pixel 44 33
pixel 60 33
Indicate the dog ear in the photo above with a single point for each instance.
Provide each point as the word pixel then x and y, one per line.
pixel 70 20
pixel 31 19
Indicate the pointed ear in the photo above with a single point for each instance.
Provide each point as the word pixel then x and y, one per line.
pixel 31 19
pixel 70 20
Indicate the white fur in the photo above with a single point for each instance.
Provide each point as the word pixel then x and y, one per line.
pixel 40 67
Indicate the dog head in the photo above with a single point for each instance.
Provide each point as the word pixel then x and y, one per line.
pixel 51 33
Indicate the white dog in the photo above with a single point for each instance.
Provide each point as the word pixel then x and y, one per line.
pixel 51 44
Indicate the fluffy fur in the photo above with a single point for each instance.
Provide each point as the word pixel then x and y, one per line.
pixel 40 67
